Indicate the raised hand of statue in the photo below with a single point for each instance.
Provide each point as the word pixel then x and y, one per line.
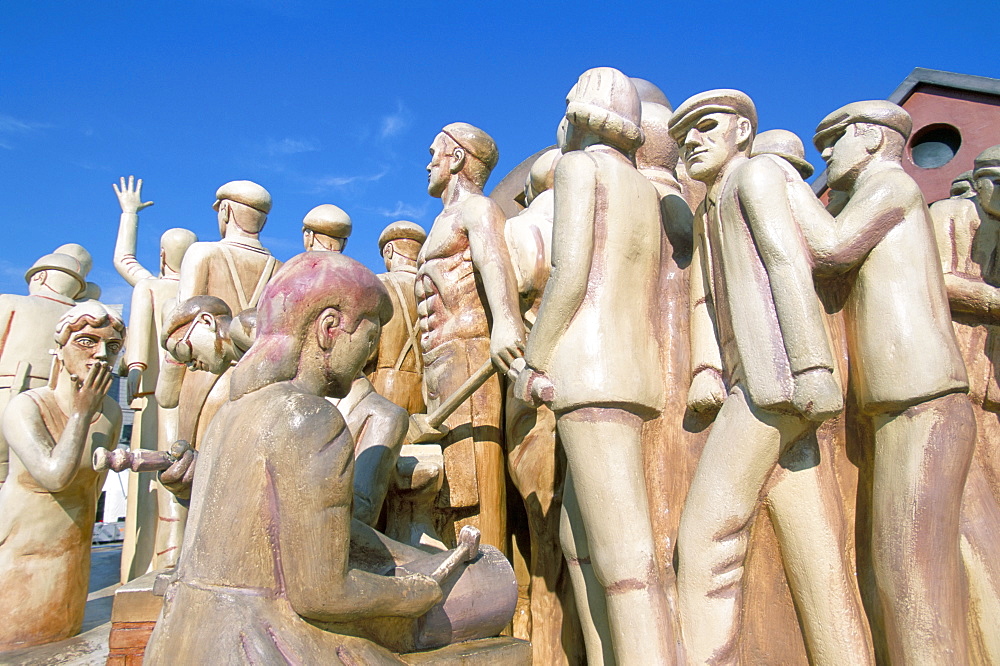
pixel 130 195
pixel 707 393
pixel 90 392
pixel 817 395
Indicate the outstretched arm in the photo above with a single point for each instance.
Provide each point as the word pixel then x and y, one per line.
pixel 130 199
pixel 53 464
pixel 485 223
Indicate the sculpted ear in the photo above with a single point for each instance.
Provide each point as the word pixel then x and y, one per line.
pixel 875 138
pixel 206 319
pixel 327 328
pixel 458 160
pixel 744 131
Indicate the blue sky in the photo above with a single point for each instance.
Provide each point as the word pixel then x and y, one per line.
pixel 333 102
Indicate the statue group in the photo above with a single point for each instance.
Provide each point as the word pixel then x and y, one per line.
pixel 669 407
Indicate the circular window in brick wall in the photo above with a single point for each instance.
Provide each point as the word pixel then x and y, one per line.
pixel 934 146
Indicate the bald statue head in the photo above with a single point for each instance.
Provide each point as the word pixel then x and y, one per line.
pixel 603 107
pixel 860 134
pixel 244 204
pixel 196 333
pixel 541 175
pixel 460 150
pixel 659 151
pixel 326 227
pixel 986 172
pixel 318 321
pixel 400 243
pixel 174 243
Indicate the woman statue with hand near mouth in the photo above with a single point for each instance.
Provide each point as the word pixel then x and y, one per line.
pixel 48 504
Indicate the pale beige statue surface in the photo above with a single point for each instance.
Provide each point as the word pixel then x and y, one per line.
pixel 234 269
pixel 48 504
pixel 968 237
pixel 151 513
pixel 54 281
pixel 326 227
pixel 92 290
pixel 786 145
pixel 396 369
pixel 467 309
pixel 760 348
pixel 908 380
pixel 592 358
pixel 276 486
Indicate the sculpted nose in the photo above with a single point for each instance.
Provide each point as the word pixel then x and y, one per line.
pixel 827 152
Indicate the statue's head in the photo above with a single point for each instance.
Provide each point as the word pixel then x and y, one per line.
pixel 463 151
pixel 243 331
pixel 603 107
pixel 659 150
pixel 196 333
pixel 541 176
pixel 56 272
pixel 318 320
pixel 88 333
pixel 712 128
pixel 786 145
pixel 986 172
pixel 79 253
pixel 243 203
pixel 963 187
pixel 174 243
pixel 859 134
pixel 400 243
pixel 326 227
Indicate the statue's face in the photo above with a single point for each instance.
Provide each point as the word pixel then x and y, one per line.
pixel 91 345
pixel 988 189
pixel 711 143
pixel 199 346
pixel 847 154
pixel 439 168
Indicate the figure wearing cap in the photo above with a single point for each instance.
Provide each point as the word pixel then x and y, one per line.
pixel 467 312
pixel 151 514
pixel 235 269
pixel 908 379
pixel 592 358
pixel 396 369
pixel 760 350
pixel 54 281
pixel 326 227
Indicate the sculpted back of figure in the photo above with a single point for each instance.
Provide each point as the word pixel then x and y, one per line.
pixel 47 505
pixel 396 370
pixel 463 270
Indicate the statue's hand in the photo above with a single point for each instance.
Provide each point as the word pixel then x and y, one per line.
pixel 423 593
pixel 90 391
pixel 179 477
pixel 130 195
pixel 534 387
pixel 506 344
pixel 817 395
pixel 707 392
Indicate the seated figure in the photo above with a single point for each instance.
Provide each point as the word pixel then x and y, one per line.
pixel 269 571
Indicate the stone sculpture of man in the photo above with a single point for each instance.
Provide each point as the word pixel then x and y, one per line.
pixel 963 187
pixel 908 379
pixel 760 348
pixel 48 503
pixel 592 357
pixel 467 309
pixel 326 227
pixel 54 281
pixel 786 145
pixel 149 510
pixel 234 269
pixel 396 371
pixel 277 488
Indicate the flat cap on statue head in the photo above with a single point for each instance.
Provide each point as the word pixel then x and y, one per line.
pixel 988 159
pixel 57 261
pixel 871 112
pixel 401 230
pixel 786 145
pixel 328 220
pixel 245 192
pixel 475 142
pixel 723 100
pixel 606 102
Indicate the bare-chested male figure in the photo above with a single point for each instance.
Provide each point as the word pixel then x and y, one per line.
pixel 467 308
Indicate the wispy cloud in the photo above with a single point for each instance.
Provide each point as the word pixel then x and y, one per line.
pixel 290 146
pixel 12 125
pixel 326 183
pixel 394 123
pixel 403 210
